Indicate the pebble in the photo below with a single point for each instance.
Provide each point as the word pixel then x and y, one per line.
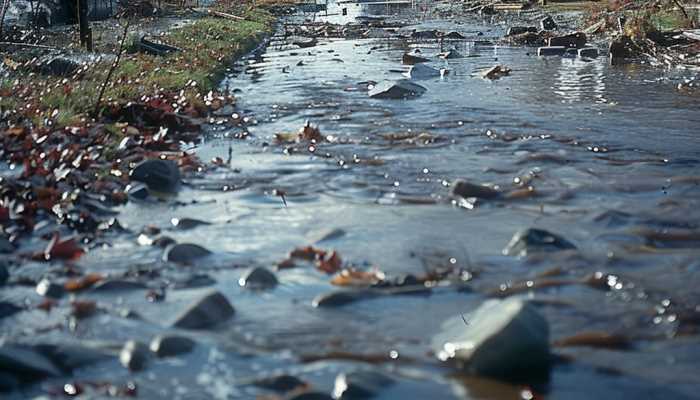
pixel 258 278
pixel 211 309
pixel 502 338
pixel 134 355
pixel 184 253
pixel 171 345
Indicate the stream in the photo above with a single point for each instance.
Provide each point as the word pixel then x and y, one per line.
pixel 607 157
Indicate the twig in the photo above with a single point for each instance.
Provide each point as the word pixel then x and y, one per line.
pixel 111 70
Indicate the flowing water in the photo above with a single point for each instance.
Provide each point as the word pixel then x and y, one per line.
pixel 611 152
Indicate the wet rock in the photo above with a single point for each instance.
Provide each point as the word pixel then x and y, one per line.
pixel 342 297
pixel 310 396
pixel 163 242
pixel 431 34
pixel 209 310
pixel 462 188
pixel 5 246
pixel 323 235
pixel 548 24
pixel 171 345
pixel 519 30
pixel 536 240
pixel 360 384
pixel 551 51
pixel 496 72
pixel 422 71
pixel 192 281
pixel 258 278
pixel 305 42
pixel 453 35
pixel 185 253
pixel 4 274
pixel 26 363
pixel 117 285
pixel 621 49
pixel 280 383
pixel 8 382
pixel 47 288
pixel 502 338
pixel 8 309
pixel 527 39
pixel 159 175
pixel 401 89
pixel 138 192
pixel 187 223
pixel 72 356
pixel 451 55
pixel 412 59
pixel 134 355
pixel 574 40
pixel 588 52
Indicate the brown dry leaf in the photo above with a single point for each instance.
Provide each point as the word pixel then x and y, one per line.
pixel 353 277
pixel 83 308
pixel 307 253
pixel 83 283
pixel 330 265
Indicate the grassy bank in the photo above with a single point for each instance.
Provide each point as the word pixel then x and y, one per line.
pixel 208 45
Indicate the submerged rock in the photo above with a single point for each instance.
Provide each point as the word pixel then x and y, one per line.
pixel 401 89
pixel 451 55
pixel 412 59
pixel 187 223
pixel 360 384
pixel 342 297
pixel 26 363
pixel 519 30
pixel 548 24
pixel 209 310
pixel 551 51
pixel 58 66
pixel 72 356
pixel 184 253
pixel 171 345
pixel 134 355
pixel 4 274
pixel 310 396
pixel 462 188
pixel 280 383
pixel 574 40
pixel 258 278
pixel 159 175
pixel 117 285
pixel 8 309
pixel 422 71
pixel 502 338
pixel 5 246
pixel 47 288
pixel 535 240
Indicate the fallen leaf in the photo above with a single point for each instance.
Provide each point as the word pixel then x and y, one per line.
pixel 83 283
pixel 353 277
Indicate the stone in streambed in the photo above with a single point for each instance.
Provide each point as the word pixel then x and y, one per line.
pixel 310 396
pixel 4 274
pixel 5 246
pixel 412 59
pixel 280 383
pixel 72 356
pixel 360 385
pixel 422 71
pixel 8 309
pixel 209 310
pixel 342 297
pixel 47 288
pixel 171 345
pixel 184 253
pixel 533 240
pixel 134 355
pixel 258 278
pixel 117 285
pixel 462 188
pixel 159 175
pixel 548 24
pixel 502 338
pixel 519 30
pixel 401 89
pixel 26 363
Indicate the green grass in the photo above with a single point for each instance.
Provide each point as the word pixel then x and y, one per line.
pixel 209 45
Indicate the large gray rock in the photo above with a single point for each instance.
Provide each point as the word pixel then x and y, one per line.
pixel 462 188
pixel 360 384
pixel 212 308
pixel 159 175
pixel 502 338
pixel 422 71
pixel 401 89
pixel 534 240
pixel 171 345
pixel 258 278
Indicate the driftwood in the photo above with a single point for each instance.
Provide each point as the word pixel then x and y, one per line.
pixel 225 15
pixel 39 46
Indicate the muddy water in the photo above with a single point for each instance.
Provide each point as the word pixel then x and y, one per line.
pixel 611 152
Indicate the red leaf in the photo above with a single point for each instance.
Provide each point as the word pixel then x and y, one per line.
pixel 64 250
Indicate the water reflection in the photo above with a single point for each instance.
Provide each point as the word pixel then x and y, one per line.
pixel 577 80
